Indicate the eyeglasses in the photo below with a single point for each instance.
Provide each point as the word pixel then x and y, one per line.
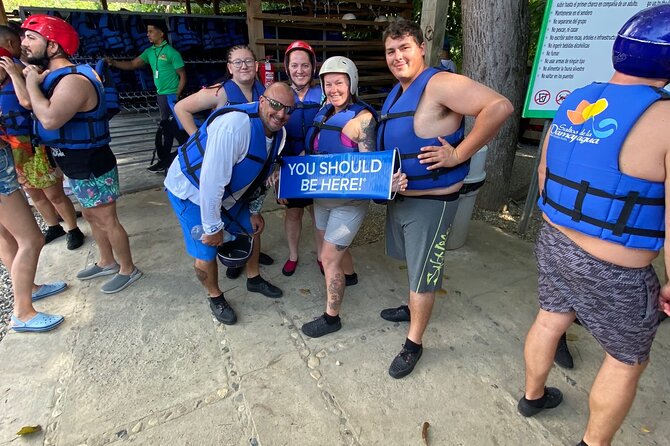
pixel 276 105
pixel 237 63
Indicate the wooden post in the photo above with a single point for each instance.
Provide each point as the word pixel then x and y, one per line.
pixel 217 7
pixel 104 5
pixel 3 14
pixel 255 26
pixel 188 7
pixel 433 24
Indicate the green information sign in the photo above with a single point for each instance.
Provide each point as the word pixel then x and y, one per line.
pixel 575 49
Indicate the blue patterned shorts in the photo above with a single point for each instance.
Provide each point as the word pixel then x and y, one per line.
pixel 617 305
pixel 8 180
pixel 97 191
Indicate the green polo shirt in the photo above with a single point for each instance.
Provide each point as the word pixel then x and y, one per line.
pixel 164 62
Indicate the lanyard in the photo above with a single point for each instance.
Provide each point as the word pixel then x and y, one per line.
pixel 157 54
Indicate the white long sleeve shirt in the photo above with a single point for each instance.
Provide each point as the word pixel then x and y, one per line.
pixel 228 138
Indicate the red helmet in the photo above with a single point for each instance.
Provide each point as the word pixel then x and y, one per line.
pixel 304 46
pixel 54 29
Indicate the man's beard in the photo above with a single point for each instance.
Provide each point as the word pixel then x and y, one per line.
pixel 40 60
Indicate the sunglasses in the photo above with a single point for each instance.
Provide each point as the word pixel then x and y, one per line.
pixel 277 106
pixel 237 63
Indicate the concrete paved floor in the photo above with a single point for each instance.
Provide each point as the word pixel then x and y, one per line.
pixel 150 366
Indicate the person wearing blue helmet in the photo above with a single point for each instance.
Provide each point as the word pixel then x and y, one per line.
pixel 602 182
pixel 445 57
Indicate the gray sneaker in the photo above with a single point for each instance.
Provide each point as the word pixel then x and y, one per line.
pixel 93 271
pixel 120 282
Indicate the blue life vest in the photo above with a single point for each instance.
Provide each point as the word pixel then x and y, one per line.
pixel 396 131
pixel 138 32
pixel 301 120
pixel 111 93
pixel 235 95
pixel 584 189
pixel 329 128
pixel 182 37
pixel 86 130
pixel 251 171
pixel 14 119
pixel 89 37
pixel 111 36
pixel 214 35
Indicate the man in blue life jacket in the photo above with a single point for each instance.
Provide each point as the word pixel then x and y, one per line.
pixel 71 118
pixel 218 188
pixel 603 174
pixel 422 117
pixel 169 74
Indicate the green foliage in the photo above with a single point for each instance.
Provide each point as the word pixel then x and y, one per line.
pixel 174 8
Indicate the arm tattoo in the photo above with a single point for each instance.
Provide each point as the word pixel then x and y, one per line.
pixel 368 135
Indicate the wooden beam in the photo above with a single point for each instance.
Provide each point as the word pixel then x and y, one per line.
pixel 188 7
pixel 320 20
pixel 340 44
pixel 255 26
pixel 104 5
pixel 433 24
pixel 3 14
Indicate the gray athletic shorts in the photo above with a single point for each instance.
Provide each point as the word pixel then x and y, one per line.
pixel 341 219
pixel 617 305
pixel 417 231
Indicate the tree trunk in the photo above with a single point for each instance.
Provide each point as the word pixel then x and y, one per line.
pixel 495 47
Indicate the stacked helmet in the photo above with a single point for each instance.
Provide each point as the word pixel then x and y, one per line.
pixel 55 29
pixel 340 64
pixel 300 45
pixel 642 45
pixel 236 252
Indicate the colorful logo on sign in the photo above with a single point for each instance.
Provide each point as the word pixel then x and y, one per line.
pixel 585 111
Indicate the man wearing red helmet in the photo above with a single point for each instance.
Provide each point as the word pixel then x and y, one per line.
pixel 603 178
pixel 68 103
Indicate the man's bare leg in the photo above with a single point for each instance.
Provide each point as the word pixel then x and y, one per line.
pixel 207 273
pixel 56 195
pixel 540 349
pixel 107 221
pixel 611 397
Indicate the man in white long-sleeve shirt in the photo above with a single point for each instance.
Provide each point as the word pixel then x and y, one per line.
pixel 240 145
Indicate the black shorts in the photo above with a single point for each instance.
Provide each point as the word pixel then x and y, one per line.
pixel 84 164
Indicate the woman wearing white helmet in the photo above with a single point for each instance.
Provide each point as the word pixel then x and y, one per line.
pixel 344 124
pixel 241 87
pixel 300 66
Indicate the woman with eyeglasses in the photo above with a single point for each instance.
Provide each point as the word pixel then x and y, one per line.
pixel 345 124
pixel 300 66
pixel 240 88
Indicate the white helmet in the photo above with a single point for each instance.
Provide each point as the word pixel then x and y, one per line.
pixel 349 16
pixel 340 64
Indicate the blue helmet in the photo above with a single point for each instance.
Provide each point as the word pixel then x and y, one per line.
pixel 642 46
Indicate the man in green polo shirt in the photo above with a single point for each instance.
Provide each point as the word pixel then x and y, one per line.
pixel 167 68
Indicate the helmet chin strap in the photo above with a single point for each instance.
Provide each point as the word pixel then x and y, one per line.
pixel 298 89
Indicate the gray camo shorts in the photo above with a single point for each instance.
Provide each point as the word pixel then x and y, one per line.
pixel 617 305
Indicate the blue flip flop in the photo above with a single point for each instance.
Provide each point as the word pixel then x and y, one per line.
pixel 49 289
pixel 41 322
